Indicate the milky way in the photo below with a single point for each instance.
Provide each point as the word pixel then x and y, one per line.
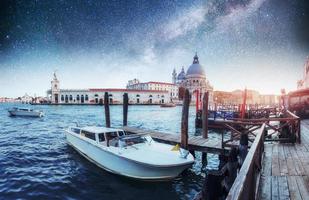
pixel 147 39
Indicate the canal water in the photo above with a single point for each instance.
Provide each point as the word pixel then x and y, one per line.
pixel 37 163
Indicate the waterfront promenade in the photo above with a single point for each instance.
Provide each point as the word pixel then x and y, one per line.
pixel 285 170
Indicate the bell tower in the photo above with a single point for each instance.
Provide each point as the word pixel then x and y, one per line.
pixel 174 74
pixel 55 89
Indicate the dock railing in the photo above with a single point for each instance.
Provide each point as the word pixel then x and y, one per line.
pixel 246 184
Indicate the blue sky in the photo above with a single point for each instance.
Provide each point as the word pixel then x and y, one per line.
pixel 258 44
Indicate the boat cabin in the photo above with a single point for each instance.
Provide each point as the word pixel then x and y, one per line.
pixel 109 136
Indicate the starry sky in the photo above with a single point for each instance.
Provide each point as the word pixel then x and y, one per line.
pixel 258 44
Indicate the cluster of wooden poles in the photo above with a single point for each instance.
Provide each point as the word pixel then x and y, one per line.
pixel 184 118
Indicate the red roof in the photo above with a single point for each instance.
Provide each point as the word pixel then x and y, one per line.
pixel 123 90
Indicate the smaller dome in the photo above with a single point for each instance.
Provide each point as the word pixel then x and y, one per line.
pixel 195 68
pixel 181 75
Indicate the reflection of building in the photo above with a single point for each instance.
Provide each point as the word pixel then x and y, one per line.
pixel 96 96
pixel 194 80
pixel 135 84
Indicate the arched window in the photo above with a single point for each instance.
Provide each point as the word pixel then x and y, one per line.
pixel 66 98
pixel 77 97
pixel 71 97
pixel 62 98
pixel 137 95
pixel 86 97
pixel 162 96
pixel 96 95
pixel 150 96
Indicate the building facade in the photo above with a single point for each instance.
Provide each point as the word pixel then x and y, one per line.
pixel 171 88
pixel 96 95
pixel 304 82
pixel 195 80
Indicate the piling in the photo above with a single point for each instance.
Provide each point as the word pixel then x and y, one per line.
pixel 125 109
pixel 184 119
pixel 107 114
pixel 205 115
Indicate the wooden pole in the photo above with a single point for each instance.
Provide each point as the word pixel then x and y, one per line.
pixel 106 107
pixel 243 108
pixel 205 115
pixel 125 109
pixel 184 119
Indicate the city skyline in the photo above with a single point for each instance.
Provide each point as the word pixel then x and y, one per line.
pixel 258 44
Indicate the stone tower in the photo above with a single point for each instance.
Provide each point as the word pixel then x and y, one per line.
pixel 55 89
pixel 174 76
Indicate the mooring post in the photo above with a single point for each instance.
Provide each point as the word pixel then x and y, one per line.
pixel 184 119
pixel 106 107
pixel 205 115
pixel 125 109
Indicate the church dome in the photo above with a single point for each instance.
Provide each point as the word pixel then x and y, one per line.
pixel 195 69
pixel 181 75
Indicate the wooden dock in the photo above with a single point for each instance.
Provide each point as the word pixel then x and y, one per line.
pixel 285 169
pixel 195 143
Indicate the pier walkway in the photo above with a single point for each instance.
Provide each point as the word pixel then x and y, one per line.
pixel 285 170
pixel 195 143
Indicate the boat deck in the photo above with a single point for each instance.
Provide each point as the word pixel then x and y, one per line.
pixel 285 170
pixel 195 143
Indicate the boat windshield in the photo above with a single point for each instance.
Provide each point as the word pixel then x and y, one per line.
pixel 131 140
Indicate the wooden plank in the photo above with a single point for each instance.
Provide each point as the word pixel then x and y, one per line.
pixel 293 188
pixel 298 166
pixel 275 167
pixel 289 161
pixel 265 189
pixel 274 188
pixel 302 187
pixel 282 161
pixel 283 188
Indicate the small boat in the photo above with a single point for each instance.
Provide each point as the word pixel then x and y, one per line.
pixel 168 105
pixel 25 112
pixel 136 156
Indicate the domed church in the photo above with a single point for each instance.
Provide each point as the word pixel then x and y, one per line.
pixel 194 80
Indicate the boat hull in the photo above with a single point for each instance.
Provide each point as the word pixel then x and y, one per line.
pixel 122 166
pixel 25 113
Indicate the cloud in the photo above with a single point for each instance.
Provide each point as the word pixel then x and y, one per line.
pixel 236 15
pixel 187 21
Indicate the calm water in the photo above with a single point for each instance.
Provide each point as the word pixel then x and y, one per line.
pixel 37 163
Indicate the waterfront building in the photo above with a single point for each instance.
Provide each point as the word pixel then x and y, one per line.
pixel 304 82
pixel 195 80
pixel 56 95
pixel 253 97
pixel 172 89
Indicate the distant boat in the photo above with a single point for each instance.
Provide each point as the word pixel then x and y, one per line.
pixel 135 156
pixel 168 105
pixel 25 112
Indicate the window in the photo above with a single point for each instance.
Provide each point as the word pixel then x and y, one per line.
pixel 88 135
pixel 137 95
pixel 150 96
pixel 101 137
pixel 77 97
pixel 86 97
pixel 62 98
pixel 121 133
pixel 71 98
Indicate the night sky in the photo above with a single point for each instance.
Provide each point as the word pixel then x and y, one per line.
pixel 258 44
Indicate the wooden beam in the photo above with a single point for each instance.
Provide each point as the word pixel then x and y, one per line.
pixel 205 115
pixel 107 114
pixel 125 109
pixel 184 119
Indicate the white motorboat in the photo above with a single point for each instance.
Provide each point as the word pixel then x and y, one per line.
pixel 135 156
pixel 25 112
